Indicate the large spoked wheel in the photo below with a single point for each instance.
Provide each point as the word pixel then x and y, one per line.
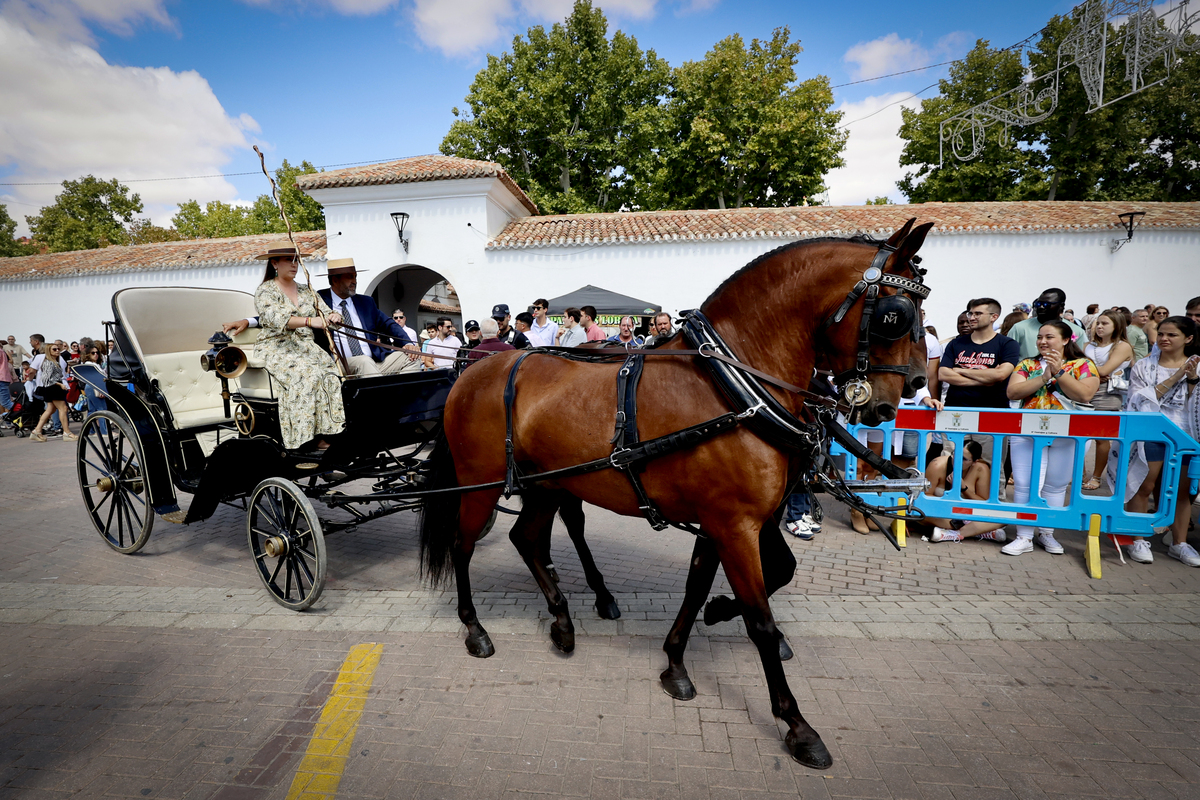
pixel 287 543
pixel 112 480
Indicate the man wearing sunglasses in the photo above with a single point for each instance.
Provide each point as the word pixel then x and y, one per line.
pixel 399 316
pixel 1048 307
pixel 543 332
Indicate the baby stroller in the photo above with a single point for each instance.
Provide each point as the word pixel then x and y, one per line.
pixel 25 411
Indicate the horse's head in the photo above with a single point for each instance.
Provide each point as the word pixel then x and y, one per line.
pixel 873 334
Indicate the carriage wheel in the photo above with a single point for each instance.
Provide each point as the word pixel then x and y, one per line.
pixel 287 543
pixel 112 483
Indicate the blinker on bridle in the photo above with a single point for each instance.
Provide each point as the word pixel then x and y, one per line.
pixel 887 318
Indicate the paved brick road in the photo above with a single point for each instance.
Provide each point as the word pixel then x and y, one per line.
pixel 948 671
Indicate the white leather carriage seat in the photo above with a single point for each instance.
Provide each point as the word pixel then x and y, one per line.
pixel 169 328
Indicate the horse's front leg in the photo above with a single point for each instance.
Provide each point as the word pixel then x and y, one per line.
pixel 675 680
pixel 778 567
pixel 740 556
pixel 570 509
pixel 535 519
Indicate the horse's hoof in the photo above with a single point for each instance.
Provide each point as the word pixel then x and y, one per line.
pixel 719 609
pixel 677 684
pixel 562 637
pixel 810 754
pixel 607 608
pixel 785 650
pixel 480 645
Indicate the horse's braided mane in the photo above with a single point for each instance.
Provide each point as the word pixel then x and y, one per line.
pixel 861 238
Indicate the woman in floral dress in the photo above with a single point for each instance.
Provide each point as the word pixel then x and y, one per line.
pixel 310 397
pixel 1058 378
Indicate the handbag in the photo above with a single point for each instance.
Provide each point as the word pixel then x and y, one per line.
pixel 1117 382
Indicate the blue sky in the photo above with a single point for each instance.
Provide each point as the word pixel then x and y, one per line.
pixel 162 89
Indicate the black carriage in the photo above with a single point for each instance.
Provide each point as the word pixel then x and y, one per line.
pixel 200 418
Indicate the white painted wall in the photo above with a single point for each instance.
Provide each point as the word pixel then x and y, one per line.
pixel 451 221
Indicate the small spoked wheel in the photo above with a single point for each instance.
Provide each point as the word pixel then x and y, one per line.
pixel 287 543
pixel 111 478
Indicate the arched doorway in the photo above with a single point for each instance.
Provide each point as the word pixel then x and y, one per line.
pixel 422 293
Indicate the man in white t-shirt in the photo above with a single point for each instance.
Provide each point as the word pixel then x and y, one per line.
pixel 542 332
pixel 401 319
pixel 443 347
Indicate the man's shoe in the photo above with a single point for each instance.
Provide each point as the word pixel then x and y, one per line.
pixel 997 535
pixel 1049 543
pixel 1185 553
pixel 943 535
pixel 1139 551
pixel 799 529
pixel 812 524
pixel 1018 546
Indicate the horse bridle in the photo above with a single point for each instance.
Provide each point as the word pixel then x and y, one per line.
pixel 887 318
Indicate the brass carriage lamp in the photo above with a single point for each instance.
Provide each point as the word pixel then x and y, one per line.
pixel 1130 221
pixel 400 219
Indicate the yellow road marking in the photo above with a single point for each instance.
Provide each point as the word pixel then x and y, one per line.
pixel 320 772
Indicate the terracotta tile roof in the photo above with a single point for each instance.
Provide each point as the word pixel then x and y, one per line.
pixel 438 308
pixel 577 230
pixel 414 170
pixel 191 254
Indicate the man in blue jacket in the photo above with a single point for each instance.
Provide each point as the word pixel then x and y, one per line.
pixel 359 311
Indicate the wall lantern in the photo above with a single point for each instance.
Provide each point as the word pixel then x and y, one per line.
pixel 400 219
pixel 1129 220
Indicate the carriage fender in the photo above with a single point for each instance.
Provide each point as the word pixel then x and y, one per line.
pixel 149 438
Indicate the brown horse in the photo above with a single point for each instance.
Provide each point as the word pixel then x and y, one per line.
pixel 772 314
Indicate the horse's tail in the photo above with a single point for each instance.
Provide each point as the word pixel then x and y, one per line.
pixel 439 516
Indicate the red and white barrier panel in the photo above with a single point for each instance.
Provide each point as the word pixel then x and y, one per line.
pixel 1025 423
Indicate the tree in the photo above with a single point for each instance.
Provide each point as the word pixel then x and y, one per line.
pixel 219 220
pixel 878 201
pixel 9 246
pixel 745 132
pixel 90 213
pixel 576 115
pixel 1001 172
pixel 143 231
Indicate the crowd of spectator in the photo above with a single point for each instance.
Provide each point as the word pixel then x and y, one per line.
pixel 38 394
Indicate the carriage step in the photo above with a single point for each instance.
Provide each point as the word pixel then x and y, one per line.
pixel 176 517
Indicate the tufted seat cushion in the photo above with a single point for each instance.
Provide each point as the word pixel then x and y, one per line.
pixel 169 328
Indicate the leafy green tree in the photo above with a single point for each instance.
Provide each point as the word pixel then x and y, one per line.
pixel 745 132
pixel 1168 164
pixel 89 213
pixel 143 231
pixel 1002 171
pixel 219 220
pixel 575 115
pixel 9 246
pixel 878 201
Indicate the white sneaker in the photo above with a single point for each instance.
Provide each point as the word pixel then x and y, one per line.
pixel 799 529
pixel 1018 546
pixel 997 535
pixel 943 535
pixel 1185 553
pixel 1139 551
pixel 1047 541
pixel 812 524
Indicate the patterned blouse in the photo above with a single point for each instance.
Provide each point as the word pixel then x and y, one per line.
pixel 1043 398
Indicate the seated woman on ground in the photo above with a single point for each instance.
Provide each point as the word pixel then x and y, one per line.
pixel 1056 379
pixel 310 398
pixel 976 485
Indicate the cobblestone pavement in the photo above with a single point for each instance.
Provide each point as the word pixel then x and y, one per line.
pixel 945 671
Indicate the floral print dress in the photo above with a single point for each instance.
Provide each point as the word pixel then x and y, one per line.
pixel 1043 398
pixel 310 398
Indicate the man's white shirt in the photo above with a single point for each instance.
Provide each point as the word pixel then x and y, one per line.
pixel 351 317
pixel 543 336
pixel 443 351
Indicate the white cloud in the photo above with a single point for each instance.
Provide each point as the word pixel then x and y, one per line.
pixel 69 113
pixel 890 53
pixel 351 7
pixel 67 20
pixel 461 27
pixel 872 152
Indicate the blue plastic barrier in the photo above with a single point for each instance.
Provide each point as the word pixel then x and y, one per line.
pixel 1082 512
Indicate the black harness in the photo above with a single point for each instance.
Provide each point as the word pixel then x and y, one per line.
pixel 887 318
pixel 754 405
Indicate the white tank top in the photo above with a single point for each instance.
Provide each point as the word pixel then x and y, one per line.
pixel 1100 355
